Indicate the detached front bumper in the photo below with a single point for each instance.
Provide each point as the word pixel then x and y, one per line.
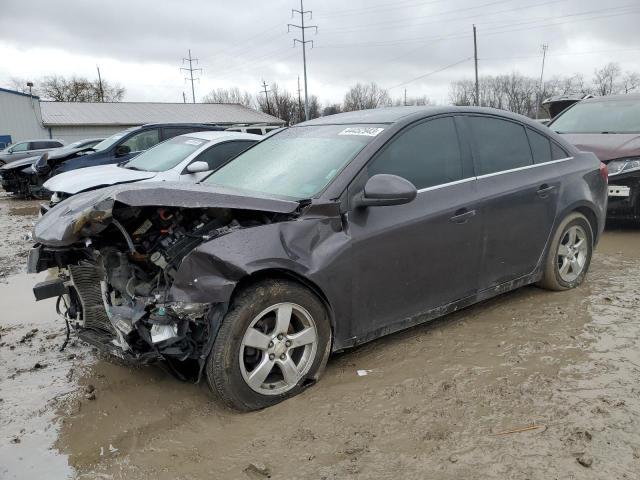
pixel 624 197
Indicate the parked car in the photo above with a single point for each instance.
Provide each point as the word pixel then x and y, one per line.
pixel 15 177
pixel 323 236
pixel 117 148
pixel 610 128
pixel 28 148
pixel 187 158
pixel 558 103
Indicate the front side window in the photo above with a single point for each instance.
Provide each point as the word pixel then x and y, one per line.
pixel 606 116
pixel 143 140
pixel 499 145
pixel 166 155
pixel 427 154
pixel 220 154
pixel 297 163
pixel 20 147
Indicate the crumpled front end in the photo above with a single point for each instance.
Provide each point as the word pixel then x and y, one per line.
pixel 117 264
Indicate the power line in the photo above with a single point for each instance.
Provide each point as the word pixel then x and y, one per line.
pixel 303 28
pixel 446 67
pixel 191 70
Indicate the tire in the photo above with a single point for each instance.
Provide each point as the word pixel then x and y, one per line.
pixel 557 275
pixel 251 342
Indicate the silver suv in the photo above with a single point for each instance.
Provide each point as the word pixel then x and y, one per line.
pixel 28 148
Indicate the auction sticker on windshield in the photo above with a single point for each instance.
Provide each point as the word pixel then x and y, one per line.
pixel 366 131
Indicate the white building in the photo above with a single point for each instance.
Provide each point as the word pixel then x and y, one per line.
pixel 20 117
pixel 23 117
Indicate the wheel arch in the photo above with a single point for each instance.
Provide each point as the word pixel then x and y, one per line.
pixel 282 273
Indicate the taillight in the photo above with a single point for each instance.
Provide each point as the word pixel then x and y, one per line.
pixel 604 172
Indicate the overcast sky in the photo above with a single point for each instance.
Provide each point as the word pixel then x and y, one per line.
pixel 140 43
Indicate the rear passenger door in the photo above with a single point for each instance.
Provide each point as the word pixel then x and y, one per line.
pixel 409 259
pixel 519 197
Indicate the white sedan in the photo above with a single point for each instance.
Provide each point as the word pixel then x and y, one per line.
pixel 186 158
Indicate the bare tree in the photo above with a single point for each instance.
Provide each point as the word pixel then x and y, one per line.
pixel 230 95
pixel 361 97
pixel 605 79
pixel 331 109
pixel 78 89
pixel 630 81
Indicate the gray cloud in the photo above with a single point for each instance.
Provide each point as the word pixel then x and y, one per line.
pixel 239 43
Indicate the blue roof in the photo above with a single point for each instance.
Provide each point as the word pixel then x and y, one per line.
pixel 6 90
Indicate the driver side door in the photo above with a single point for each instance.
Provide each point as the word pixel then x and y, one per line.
pixel 410 259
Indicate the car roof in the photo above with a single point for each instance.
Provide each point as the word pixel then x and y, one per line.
pixel 394 115
pixel 223 135
pixel 611 98
pixel 39 140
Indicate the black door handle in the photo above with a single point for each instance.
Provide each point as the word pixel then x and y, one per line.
pixel 544 189
pixel 462 215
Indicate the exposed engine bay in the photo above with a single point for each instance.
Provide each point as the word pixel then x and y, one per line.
pixel 114 286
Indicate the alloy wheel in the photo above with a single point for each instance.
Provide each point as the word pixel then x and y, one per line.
pixel 572 253
pixel 278 348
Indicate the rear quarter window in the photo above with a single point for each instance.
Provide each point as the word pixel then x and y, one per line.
pixel 557 152
pixel 540 147
pixel 499 144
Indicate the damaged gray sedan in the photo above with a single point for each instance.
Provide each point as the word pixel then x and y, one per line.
pixel 327 235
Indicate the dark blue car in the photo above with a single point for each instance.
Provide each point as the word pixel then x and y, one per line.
pixel 27 177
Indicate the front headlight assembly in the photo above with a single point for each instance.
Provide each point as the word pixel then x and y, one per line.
pixel 624 165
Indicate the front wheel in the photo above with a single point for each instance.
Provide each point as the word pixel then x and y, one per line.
pixel 274 340
pixel 569 254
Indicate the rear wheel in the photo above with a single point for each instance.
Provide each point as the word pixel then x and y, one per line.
pixel 569 254
pixel 274 341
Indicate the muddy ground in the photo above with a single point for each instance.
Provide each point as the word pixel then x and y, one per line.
pixel 531 385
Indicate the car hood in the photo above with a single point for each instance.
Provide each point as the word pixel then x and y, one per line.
pixel 606 146
pixel 87 214
pixel 95 177
pixel 20 164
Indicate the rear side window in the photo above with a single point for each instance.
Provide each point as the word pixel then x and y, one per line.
pixel 557 153
pixel 38 145
pixel 499 145
pixel 540 147
pixel 255 131
pixel 220 154
pixel 55 144
pixel 427 154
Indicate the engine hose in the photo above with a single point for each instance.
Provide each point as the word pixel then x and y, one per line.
pixel 126 236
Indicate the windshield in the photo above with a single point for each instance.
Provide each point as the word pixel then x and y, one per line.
pixel 109 142
pixel 166 155
pixel 297 163
pixel 609 116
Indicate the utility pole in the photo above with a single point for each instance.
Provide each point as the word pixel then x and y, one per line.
pixel 405 97
pixel 475 58
pixel 100 85
pixel 302 27
pixel 545 47
pixel 266 95
pixel 184 97
pixel 191 70
pixel 299 102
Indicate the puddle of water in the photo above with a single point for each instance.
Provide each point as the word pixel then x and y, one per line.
pixel 30 392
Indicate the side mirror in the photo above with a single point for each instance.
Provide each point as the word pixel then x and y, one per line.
pixel 122 150
pixel 197 167
pixel 10 151
pixel 384 189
